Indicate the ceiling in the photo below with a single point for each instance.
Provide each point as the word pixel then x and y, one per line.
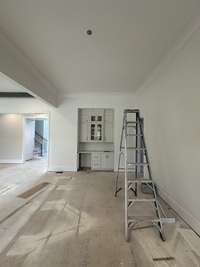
pixel 129 38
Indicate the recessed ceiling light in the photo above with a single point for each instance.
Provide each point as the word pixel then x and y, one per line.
pixel 89 32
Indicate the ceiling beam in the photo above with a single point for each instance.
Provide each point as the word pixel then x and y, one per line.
pixel 17 67
pixel 15 95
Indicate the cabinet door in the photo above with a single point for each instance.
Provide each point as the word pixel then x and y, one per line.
pixel 83 132
pixel 107 162
pixel 93 131
pixel 96 161
pixel 99 132
pixel 96 115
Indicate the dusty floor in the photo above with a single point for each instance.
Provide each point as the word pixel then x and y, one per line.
pixel 16 177
pixel 77 222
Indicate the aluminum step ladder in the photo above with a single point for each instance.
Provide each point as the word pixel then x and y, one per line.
pixel 136 165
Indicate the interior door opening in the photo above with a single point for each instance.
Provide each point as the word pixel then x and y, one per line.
pixel 36 137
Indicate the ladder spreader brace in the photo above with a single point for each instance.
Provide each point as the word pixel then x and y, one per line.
pixel 136 168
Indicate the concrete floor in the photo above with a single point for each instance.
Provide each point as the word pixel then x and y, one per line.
pixel 77 222
pixel 14 178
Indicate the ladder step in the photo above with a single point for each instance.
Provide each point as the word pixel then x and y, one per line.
pixel 135 135
pixel 146 181
pixel 131 111
pixel 139 218
pixel 141 200
pixel 130 122
pixel 137 164
pixel 131 126
pixel 162 220
pixel 128 169
pixel 134 148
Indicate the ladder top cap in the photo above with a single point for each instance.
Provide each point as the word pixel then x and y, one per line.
pixel 131 111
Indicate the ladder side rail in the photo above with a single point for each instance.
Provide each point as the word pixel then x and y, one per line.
pixel 117 178
pixel 119 159
pixel 145 152
pixel 122 133
pixel 126 178
pixel 141 152
pixel 136 145
pixel 147 159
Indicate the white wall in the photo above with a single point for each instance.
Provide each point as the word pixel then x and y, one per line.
pixel 63 122
pixel 64 125
pixel 171 108
pixel 11 138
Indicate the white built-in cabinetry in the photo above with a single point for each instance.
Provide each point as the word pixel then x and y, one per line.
pixel 96 137
pixel 96 125
pixel 102 161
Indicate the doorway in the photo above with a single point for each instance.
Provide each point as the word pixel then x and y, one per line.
pixel 36 137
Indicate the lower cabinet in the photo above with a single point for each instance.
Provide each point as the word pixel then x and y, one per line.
pixel 102 161
pixel 96 161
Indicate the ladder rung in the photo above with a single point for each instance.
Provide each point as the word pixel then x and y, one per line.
pixel 137 164
pixel 164 220
pixel 133 148
pixel 135 135
pixel 131 111
pixel 137 218
pixel 130 122
pixel 128 169
pixel 147 181
pixel 141 200
pixel 131 126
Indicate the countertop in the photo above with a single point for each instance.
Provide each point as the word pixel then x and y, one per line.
pixel 92 151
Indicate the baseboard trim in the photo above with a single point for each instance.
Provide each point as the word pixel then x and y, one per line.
pixel 57 168
pixel 187 216
pixel 11 161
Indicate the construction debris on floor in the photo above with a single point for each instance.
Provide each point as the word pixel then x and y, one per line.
pixel 33 190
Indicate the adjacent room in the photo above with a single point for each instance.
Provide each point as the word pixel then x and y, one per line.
pixel 99 133
pixel 24 151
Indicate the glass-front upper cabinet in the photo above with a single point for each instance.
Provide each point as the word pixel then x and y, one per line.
pixel 96 121
pixel 96 132
pixel 93 118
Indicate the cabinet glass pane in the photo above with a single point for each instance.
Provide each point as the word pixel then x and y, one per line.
pixel 93 118
pixel 99 132
pixel 92 132
pixel 99 118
